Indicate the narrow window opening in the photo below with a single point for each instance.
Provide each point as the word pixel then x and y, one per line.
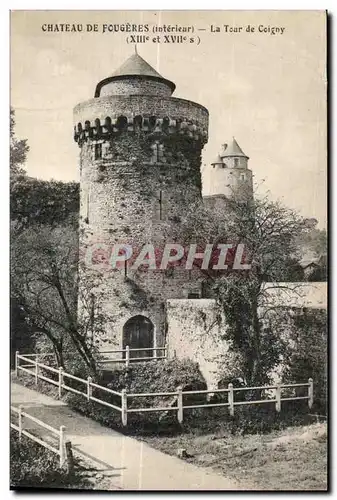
pixel 86 204
pixel 236 162
pixel 98 151
pixel 160 205
pixel 156 152
pixel 166 123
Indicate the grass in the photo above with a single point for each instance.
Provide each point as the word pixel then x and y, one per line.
pixel 292 459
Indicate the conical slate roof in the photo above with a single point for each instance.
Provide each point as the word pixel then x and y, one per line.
pixel 134 66
pixel 233 149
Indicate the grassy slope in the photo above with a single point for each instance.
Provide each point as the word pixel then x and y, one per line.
pixel 292 459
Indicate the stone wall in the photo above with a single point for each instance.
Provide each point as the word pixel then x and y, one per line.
pixel 136 86
pixel 195 330
pixel 134 191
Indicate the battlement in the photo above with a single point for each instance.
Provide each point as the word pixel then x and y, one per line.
pixel 103 117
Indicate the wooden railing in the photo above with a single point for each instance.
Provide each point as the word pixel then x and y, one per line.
pixel 59 433
pixel 127 355
pixel 177 397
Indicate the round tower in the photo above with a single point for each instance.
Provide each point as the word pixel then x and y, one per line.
pixel 230 176
pixel 140 156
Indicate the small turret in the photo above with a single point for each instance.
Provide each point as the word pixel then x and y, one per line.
pixel 230 176
pixel 233 156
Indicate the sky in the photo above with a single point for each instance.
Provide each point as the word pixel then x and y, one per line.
pixel 269 91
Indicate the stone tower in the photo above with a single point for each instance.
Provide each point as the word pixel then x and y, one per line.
pixel 140 156
pixel 230 176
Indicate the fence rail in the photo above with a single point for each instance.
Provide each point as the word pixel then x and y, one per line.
pixel 59 433
pixel 177 402
pixel 127 358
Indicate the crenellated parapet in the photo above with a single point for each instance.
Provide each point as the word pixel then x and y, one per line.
pixel 102 118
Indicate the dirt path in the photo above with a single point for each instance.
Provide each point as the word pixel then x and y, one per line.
pixel 128 463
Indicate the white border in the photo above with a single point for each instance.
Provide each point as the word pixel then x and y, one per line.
pixel 4 212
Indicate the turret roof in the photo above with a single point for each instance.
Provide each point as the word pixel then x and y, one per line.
pixel 233 149
pixel 135 65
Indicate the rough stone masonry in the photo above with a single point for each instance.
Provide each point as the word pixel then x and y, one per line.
pixel 140 155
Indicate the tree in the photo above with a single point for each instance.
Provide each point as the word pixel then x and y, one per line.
pixel 313 240
pixel 269 231
pixel 18 149
pixel 36 201
pixel 33 202
pixel 44 283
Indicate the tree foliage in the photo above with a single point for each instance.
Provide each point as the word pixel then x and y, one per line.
pixel 268 229
pixel 307 353
pixel 36 201
pixel 44 265
pixel 36 208
pixel 18 149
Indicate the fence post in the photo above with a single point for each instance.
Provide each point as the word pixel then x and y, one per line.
pixel 69 457
pixel 124 408
pixel 310 393
pixel 231 399
pixel 89 388
pixel 16 363
pixel 36 368
pixel 61 445
pixel 20 422
pixel 60 381
pixel 278 398
pixel 127 356
pixel 180 404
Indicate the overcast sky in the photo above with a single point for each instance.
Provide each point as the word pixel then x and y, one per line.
pixel 269 91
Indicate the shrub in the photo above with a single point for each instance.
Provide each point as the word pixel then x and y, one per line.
pixel 141 378
pixel 307 357
pixel 31 465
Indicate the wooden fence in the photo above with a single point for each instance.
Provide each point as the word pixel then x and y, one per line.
pixel 59 433
pixel 177 403
pixel 127 355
